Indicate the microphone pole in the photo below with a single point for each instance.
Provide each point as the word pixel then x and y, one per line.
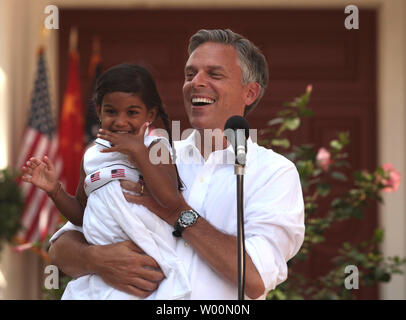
pixel 239 171
pixel 238 137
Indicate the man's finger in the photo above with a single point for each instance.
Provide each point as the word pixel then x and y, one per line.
pixel 129 185
pixel 133 198
pixel 135 291
pixel 144 285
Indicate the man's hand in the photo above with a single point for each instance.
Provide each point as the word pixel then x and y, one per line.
pixel 126 267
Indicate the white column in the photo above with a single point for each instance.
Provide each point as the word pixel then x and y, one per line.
pixel 392 131
pixel 21 274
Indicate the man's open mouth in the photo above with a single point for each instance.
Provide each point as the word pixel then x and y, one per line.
pixel 199 102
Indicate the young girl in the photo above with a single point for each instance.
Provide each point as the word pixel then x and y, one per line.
pixel 127 101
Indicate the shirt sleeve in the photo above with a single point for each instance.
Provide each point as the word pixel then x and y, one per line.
pixel 274 224
pixel 67 227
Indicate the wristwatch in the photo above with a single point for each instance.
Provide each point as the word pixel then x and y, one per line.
pixel 186 219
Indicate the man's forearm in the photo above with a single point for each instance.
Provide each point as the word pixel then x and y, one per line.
pixel 220 251
pixel 70 253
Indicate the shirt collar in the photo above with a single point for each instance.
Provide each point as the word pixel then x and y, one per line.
pixel 188 148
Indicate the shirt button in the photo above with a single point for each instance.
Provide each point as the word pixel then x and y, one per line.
pixel 186 244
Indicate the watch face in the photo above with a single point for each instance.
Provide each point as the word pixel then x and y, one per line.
pixel 188 218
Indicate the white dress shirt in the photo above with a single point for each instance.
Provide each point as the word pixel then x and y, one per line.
pixel 273 212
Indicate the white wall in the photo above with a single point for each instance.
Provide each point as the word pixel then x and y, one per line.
pixel 20 25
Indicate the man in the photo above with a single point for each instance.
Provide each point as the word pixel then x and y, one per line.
pixel 225 75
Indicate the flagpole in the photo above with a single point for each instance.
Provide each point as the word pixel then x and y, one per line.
pixel 96 57
pixel 73 39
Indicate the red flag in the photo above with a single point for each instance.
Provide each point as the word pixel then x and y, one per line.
pixel 71 127
pixel 39 216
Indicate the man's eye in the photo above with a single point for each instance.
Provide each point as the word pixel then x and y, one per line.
pixel 133 113
pixel 216 75
pixel 109 111
pixel 189 75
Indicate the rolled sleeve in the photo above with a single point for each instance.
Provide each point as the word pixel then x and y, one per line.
pixel 274 225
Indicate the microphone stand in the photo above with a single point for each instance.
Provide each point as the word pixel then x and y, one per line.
pixel 239 171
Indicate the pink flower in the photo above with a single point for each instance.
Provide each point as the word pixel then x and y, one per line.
pixel 309 88
pixel 323 159
pixel 392 181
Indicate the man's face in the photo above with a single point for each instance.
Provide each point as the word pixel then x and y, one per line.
pixel 213 90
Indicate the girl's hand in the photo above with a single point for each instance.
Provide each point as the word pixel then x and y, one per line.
pixel 42 174
pixel 129 144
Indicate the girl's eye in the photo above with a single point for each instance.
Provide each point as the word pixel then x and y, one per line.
pixel 109 111
pixel 133 113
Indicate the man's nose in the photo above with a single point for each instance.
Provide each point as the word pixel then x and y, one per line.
pixel 199 80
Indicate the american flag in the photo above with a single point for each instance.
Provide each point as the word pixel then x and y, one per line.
pixel 95 176
pixel 118 173
pixel 40 216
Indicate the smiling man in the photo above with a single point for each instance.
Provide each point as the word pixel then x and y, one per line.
pixel 225 75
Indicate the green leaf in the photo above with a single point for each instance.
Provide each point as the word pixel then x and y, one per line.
pixel 275 121
pixel 336 145
pixel 292 123
pixel 338 176
pixel 323 189
pixel 281 143
pixel 378 235
pixel 344 138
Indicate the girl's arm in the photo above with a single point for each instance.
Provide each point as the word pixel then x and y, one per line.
pixel 72 207
pixel 43 175
pixel 160 179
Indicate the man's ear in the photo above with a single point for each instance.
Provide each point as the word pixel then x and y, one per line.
pixel 252 92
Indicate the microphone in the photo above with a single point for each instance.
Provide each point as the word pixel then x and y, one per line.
pixel 236 131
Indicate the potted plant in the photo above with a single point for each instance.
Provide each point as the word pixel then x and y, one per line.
pixel 11 203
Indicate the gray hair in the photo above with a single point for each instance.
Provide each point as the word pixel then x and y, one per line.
pixel 254 67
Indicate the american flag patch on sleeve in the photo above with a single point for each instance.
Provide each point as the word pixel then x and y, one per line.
pixel 95 176
pixel 118 173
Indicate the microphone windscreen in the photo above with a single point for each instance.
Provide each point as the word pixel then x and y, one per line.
pixel 237 122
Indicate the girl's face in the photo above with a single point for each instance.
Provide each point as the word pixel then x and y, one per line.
pixel 123 112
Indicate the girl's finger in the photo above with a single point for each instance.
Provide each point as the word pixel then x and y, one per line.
pixel 107 150
pixel 26 170
pixel 109 138
pixel 26 178
pixel 48 163
pixel 143 128
pixel 106 133
pixel 35 161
